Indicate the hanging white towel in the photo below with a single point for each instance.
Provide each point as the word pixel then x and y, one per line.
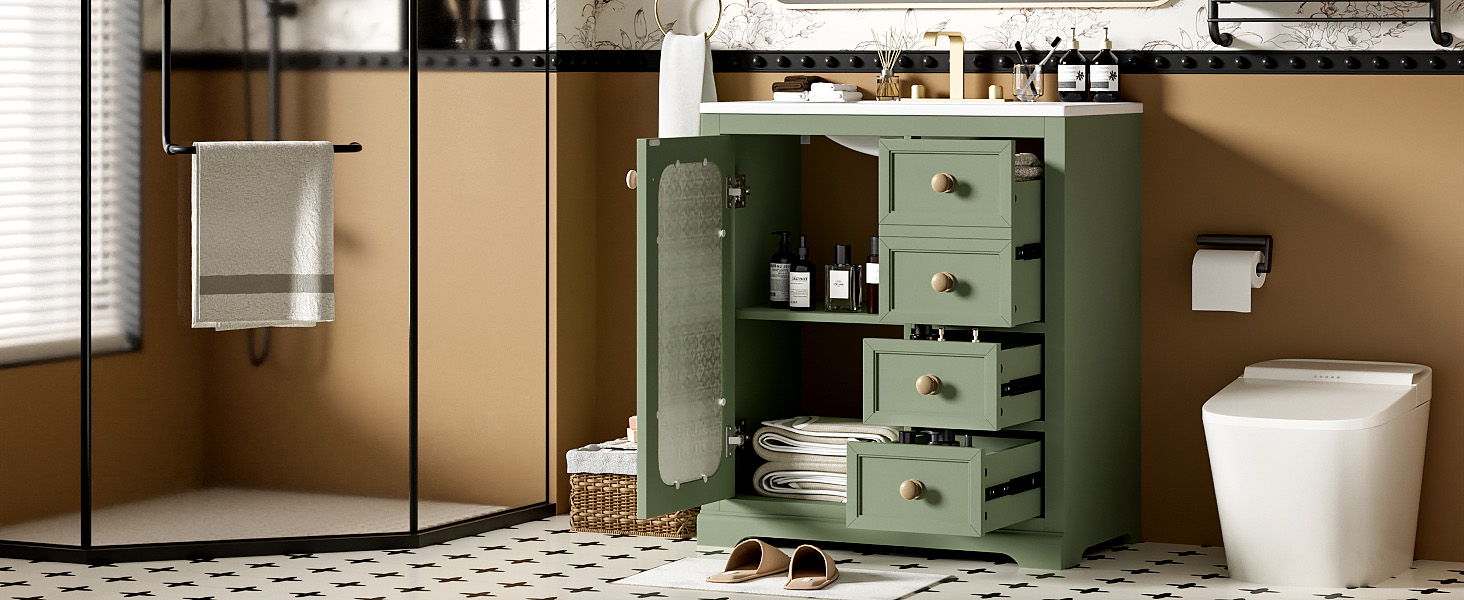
pixel 263 235
pixel 686 82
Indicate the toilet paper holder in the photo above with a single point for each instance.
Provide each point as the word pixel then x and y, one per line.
pixel 1229 241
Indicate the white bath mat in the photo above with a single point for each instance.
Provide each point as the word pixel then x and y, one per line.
pixel 853 584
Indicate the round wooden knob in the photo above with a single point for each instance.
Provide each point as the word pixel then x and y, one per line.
pixel 927 385
pixel 912 489
pixel 943 282
pixel 943 183
pixel 631 179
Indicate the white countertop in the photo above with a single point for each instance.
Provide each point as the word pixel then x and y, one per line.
pixel 925 108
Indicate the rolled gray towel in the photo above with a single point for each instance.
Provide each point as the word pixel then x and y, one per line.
pixel 1026 159
pixel 1027 173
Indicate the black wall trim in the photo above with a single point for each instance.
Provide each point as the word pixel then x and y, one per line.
pixel 1442 62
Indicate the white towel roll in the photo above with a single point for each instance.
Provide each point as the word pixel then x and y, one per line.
pixel 686 82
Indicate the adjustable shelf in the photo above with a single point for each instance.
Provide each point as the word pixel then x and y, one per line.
pixel 1434 19
pixel 818 315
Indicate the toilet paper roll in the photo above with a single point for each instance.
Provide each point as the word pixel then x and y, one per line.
pixel 1223 279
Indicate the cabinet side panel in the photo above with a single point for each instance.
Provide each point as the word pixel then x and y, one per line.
pixel 1097 195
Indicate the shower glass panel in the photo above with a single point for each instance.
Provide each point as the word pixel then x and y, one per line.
pixel 417 415
pixel 194 441
pixel 483 281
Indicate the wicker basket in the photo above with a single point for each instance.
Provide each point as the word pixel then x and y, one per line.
pixel 603 503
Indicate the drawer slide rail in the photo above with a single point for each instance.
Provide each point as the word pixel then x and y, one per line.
pixel 1016 486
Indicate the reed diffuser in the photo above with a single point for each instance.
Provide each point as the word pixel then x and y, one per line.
pixel 889 47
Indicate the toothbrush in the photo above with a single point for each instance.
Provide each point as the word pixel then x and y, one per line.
pixel 1021 59
pixel 1055 41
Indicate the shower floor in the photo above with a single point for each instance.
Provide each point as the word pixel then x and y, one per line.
pixel 213 514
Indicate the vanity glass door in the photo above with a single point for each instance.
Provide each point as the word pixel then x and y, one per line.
pixel 682 312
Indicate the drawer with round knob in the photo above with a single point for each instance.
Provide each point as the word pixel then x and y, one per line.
pixel 958 281
pixel 953 385
pixel 993 484
pixel 958 185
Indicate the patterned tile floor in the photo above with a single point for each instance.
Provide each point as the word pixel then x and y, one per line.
pixel 544 560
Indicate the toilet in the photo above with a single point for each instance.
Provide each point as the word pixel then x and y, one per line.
pixel 1317 467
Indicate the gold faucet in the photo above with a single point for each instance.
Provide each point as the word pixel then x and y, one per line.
pixel 958 60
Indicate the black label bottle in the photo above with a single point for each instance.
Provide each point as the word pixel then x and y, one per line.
pixel 778 267
pixel 871 277
pixel 801 279
pixel 1103 73
pixel 842 279
pixel 1072 74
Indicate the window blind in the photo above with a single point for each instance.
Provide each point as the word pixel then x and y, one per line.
pixel 40 176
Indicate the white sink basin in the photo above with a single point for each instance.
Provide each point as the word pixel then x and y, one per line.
pixel 926 107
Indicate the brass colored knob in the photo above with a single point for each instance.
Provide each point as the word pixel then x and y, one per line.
pixel 631 179
pixel 943 183
pixel 943 282
pixel 927 385
pixel 912 489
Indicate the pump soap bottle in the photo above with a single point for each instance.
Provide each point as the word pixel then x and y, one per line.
pixel 871 277
pixel 1103 73
pixel 1072 74
pixel 778 267
pixel 801 279
pixel 842 279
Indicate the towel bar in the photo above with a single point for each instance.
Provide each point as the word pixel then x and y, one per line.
pixel 1434 20
pixel 167 76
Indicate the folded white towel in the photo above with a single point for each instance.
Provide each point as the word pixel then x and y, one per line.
pixel 836 427
pixel 834 96
pixel 833 87
pixel 614 457
pixel 686 82
pixel 821 439
pixel 790 96
pixel 781 480
pixel 263 235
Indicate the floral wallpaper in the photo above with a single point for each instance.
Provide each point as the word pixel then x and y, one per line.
pixel 1178 25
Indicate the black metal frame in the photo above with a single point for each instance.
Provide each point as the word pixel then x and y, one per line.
pixel 167 77
pixel 1434 20
pixel 85 551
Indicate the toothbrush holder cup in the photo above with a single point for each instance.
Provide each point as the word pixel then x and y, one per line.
pixel 1027 82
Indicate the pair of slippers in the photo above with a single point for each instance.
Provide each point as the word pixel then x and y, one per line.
pixel 808 569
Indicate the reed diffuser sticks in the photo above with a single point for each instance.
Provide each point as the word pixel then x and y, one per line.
pixel 888 48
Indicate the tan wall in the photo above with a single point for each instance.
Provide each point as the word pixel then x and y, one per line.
pixel 1363 201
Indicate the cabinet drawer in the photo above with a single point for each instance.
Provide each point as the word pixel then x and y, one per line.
pixel 984 284
pixel 953 385
pixel 979 190
pixel 995 483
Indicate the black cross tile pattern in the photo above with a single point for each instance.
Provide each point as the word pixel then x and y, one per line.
pixel 546 560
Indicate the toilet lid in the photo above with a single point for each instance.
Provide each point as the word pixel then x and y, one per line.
pixel 1295 394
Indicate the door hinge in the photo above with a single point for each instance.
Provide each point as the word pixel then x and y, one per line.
pixel 1022 385
pixel 737 191
pixel 736 436
pixel 1028 251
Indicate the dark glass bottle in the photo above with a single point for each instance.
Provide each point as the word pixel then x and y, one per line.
pixel 842 279
pixel 1072 74
pixel 778 267
pixel 1103 73
pixel 802 279
pixel 871 277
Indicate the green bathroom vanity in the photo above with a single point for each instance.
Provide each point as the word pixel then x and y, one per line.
pixel 1032 288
